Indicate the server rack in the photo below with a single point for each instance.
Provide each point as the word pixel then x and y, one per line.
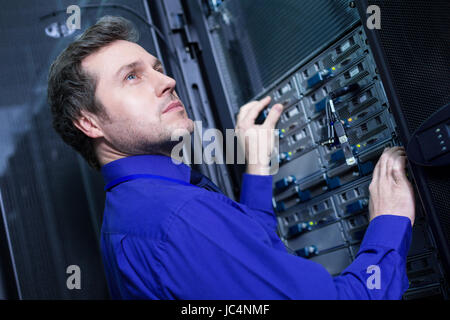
pixel 321 202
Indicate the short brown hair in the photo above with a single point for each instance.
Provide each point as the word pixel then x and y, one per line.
pixel 71 89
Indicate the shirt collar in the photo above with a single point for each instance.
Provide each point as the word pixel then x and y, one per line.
pixel 146 164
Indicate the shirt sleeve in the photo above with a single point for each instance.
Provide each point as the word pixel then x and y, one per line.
pixel 214 251
pixel 256 193
pixel 379 270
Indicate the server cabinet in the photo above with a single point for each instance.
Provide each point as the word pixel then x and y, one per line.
pixel 300 53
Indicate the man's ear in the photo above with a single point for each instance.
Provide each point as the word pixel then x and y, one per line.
pixel 88 124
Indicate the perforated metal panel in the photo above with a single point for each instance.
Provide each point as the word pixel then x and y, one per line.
pixel 415 37
pixel 280 38
pixel 53 203
pixel 415 41
pixel 266 38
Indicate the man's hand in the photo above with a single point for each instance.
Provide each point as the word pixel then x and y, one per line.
pixel 390 190
pixel 258 140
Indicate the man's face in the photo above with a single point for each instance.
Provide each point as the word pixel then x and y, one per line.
pixel 139 99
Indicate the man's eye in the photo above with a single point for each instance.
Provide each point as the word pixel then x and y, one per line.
pixel 131 76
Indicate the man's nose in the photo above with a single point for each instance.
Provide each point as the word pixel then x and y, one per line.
pixel 166 85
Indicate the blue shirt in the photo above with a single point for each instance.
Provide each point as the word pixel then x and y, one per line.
pixel 163 238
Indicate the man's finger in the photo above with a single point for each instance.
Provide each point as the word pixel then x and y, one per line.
pixel 376 173
pixel 382 162
pixel 255 109
pixel 244 110
pixel 273 116
pixel 392 161
pixel 399 167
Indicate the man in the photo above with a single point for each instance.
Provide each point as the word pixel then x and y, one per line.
pixel 164 237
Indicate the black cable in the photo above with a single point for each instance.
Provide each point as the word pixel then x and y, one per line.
pixel 111 5
pixel 126 8
pixel 328 119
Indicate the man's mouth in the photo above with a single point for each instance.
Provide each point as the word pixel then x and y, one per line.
pixel 174 106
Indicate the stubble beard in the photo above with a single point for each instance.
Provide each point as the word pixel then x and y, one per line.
pixel 136 138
